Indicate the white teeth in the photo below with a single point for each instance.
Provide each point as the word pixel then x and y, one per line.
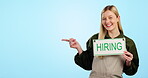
pixel 109 25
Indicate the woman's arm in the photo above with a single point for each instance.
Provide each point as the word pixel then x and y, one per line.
pixel 74 44
pixel 85 59
pixel 82 58
pixel 132 60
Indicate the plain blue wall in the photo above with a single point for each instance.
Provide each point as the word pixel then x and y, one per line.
pixel 31 33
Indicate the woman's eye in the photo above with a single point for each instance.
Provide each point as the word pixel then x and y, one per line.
pixel 103 18
pixel 110 17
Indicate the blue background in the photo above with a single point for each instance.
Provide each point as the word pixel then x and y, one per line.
pixel 31 33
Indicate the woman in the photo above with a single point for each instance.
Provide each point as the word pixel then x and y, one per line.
pixel 111 66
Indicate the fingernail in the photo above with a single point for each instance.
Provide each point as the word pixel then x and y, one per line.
pixel 125 52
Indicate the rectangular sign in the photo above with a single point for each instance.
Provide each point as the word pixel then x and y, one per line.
pixel 103 47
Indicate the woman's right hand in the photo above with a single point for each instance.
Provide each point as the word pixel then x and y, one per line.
pixel 74 44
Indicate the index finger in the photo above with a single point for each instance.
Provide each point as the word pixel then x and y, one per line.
pixel 128 53
pixel 65 40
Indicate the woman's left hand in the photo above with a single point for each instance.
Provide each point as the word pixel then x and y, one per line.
pixel 128 57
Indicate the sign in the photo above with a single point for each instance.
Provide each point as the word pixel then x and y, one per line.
pixel 109 46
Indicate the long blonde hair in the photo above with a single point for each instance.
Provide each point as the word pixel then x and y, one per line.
pixel 103 31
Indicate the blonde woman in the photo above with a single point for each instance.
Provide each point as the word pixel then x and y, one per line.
pixel 111 66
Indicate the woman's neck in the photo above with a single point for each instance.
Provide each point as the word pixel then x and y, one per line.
pixel 114 33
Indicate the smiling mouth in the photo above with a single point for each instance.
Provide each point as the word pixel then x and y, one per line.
pixel 109 25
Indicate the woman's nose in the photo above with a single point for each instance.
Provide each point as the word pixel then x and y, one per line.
pixel 107 21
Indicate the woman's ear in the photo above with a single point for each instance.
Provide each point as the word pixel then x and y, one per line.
pixel 118 18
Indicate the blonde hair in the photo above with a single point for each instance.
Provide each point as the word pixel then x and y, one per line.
pixel 103 31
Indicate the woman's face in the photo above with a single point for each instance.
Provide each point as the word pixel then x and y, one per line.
pixel 109 20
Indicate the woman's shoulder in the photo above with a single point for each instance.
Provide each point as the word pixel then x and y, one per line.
pixel 95 36
pixel 90 41
pixel 129 40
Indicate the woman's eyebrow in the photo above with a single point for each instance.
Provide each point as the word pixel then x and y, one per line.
pixel 110 15
pixel 107 16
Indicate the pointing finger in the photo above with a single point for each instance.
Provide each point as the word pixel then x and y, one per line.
pixel 65 40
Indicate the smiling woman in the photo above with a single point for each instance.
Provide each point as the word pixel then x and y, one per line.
pixel 109 66
pixel 31 30
pixel 110 22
